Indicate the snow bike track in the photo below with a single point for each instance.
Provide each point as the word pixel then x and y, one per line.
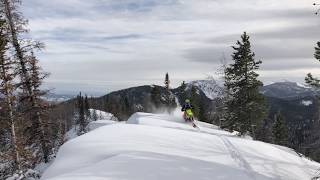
pixel 238 158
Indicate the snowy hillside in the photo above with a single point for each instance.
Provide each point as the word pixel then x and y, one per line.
pixel 103 118
pixel 209 87
pixel 153 147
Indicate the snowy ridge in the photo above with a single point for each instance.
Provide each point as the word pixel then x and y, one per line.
pixel 209 87
pixel 157 147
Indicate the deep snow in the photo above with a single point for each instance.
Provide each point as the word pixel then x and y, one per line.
pixel 158 147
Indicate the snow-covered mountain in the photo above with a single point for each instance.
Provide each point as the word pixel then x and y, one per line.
pixel 282 90
pixel 155 147
pixel 209 87
pixel 287 90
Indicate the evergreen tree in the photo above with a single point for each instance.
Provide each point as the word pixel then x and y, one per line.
pixel 280 130
pixel 39 109
pixel 167 82
pixel 7 88
pixel 245 105
pixel 100 115
pixel 87 108
pixel 81 114
pixel 195 101
pixel 94 115
pixel 156 96
pixel 23 53
pixel 317 51
pixel 312 81
pixel 183 86
pixel 183 94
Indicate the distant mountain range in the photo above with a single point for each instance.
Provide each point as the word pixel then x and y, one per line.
pixel 52 97
pixel 287 90
pixel 298 105
pixel 212 90
pixel 282 90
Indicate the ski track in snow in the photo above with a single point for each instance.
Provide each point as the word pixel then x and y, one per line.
pixel 238 158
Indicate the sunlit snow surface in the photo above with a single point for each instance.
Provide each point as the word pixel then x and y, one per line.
pixel 163 147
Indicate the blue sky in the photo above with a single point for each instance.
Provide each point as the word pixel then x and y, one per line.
pixel 99 46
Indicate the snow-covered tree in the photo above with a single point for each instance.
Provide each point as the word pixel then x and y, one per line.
pixel 94 115
pixel 23 48
pixel 8 89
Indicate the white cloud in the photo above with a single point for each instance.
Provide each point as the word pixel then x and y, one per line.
pixel 139 40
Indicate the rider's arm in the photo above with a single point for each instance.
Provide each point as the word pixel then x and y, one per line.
pixel 183 108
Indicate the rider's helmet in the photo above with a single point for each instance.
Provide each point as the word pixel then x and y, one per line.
pixel 187 101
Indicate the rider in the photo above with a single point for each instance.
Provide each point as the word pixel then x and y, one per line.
pixel 187 105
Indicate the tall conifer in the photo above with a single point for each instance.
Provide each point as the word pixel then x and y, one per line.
pixel 245 105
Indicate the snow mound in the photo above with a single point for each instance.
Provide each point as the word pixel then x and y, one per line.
pixel 99 123
pixel 103 119
pixel 157 147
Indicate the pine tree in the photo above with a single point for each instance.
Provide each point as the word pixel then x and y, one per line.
pixel 8 89
pixel 280 131
pixel 317 51
pixel 156 96
pixel 245 106
pixel 195 101
pixel 100 115
pixel 183 86
pixel 312 81
pixel 22 48
pixel 39 109
pixel 81 114
pixel 87 108
pixel 167 82
pixel 183 93
pixel 94 115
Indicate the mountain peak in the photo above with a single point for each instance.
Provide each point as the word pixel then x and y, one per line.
pixel 287 90
pixel 209 87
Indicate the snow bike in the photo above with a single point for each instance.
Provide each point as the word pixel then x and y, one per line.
pixel 189 117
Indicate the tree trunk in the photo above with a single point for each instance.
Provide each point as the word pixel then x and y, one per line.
pixel 8 99
pixel 13 133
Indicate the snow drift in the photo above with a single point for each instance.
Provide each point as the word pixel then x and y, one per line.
pixel 153 147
